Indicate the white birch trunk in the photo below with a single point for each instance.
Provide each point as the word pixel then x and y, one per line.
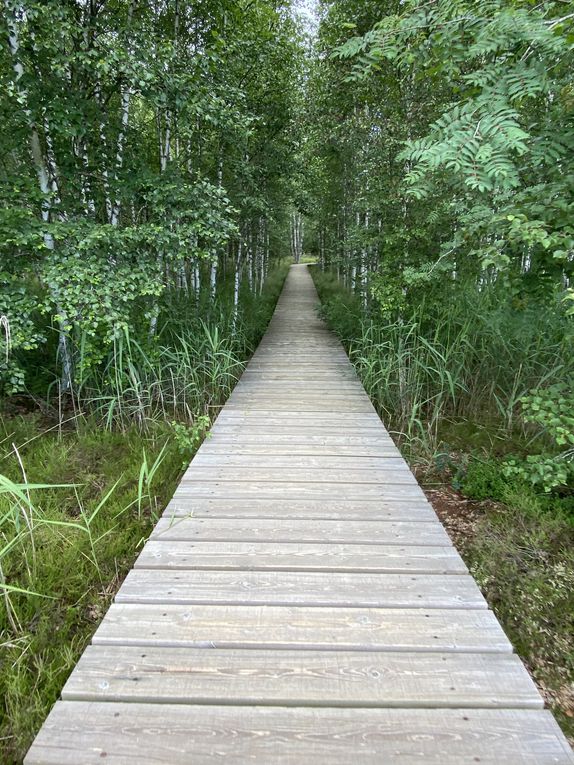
pixel 213 278
pixel 126 99
pixel 364 266
pixel 44 182
pixel 237 282
pixel 105 174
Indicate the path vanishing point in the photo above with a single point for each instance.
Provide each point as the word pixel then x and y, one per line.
pixel 299 602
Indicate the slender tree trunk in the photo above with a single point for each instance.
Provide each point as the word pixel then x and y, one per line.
pixel 213 278
pixel 237 281
pixel 103 141
pixel 296 236
pixel 126 99
pixel 44 181
pixel 364 265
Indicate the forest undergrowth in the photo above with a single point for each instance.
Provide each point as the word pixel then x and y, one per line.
pixel 80 489
pixel 450 382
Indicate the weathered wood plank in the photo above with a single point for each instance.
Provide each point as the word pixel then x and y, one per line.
pixel 284 627
pixel 302 678
pixel 212 474
pixel 285 490
pixel 330 439
pixel 361 533
pixel 148 734
pixel 282 449
pixel 278 588
pixel 261 556
pixel 260 414
pixel 290 461
pixel 302 429
pixel 292 376
pixel 255 386
pixel 283 509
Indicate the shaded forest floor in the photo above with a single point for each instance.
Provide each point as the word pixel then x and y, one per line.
pixel 524 564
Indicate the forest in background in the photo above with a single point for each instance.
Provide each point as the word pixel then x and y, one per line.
pixel 146 199
pixel 439 140
pixel 162 162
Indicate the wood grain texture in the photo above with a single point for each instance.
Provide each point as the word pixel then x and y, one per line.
pixel 194 529
pixel 285 556
pixel 283 627
pixel 213 474
pixel 302 678
pixel 300 490
pixel 372 511
pixel 309 437
pixel 290 461
pixel 89 733
pixel 301 588
pixel 302 443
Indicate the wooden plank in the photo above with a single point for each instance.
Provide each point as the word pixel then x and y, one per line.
pixel 338 398
pixel 332 438
pixel 302 356
pixel 360 533
pixel 330 427
pixel 283 448
pixel 292 376
pixel 287 490
pixel 271 364
pixel 282 509
pixel 249 383
pixel 277 588
pixel 358 477
pixel 284 627
pixel 178 734
pixel 259 415
pixel 290 461
pixel 302 678
pixel 261 556
pixel 320 404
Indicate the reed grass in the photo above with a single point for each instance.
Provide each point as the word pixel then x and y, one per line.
pixel 468 356
pixel 79 495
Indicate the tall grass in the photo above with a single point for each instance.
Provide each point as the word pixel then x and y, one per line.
pixel 191 375
pixel 79 495
pixel 187 370
pixel 70 526
pixel 470 356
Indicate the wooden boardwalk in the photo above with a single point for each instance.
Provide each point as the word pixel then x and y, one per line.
pixel 299 602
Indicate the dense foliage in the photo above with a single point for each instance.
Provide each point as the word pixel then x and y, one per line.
pixel 145 153
pixel 442 138
pixel 159 161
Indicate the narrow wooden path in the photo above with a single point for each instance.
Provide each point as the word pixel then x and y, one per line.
pixel 299 602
